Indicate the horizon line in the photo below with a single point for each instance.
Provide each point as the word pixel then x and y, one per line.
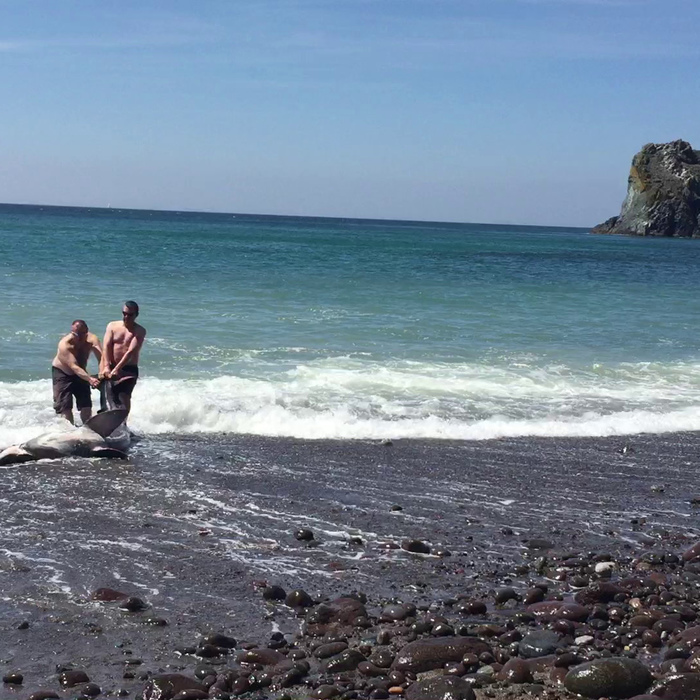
pixel 289 216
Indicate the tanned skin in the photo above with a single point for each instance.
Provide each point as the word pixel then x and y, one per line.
pixel 122 346
pixel 72 356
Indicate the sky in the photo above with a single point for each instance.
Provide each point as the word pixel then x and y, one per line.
pixel 489 111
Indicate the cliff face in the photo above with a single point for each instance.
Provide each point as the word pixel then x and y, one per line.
pixel 663 193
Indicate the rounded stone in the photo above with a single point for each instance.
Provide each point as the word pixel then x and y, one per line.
pixel 274 593
pixel 515 671
pixel 13 678
pixel 416 546
pixel 538 643
pixel 298 599
pixel 440 688
pixel 618 677
pixel 69 679
pixel 681 686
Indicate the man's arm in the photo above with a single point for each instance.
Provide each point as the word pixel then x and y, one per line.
pixel 107 352
pixel 134 347
pixel 96 348
pixel 67 358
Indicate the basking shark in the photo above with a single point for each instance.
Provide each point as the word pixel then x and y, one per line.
pixel 104 435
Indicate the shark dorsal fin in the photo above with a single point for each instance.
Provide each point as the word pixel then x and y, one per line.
pixel 105 423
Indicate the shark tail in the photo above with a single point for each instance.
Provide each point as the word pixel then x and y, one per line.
pixel 105 423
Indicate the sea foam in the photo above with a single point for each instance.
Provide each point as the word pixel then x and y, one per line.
pixel 351 398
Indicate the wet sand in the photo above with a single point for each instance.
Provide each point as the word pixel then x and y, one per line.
pixel 197 526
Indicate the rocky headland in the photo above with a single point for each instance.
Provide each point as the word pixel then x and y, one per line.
pixel 663 194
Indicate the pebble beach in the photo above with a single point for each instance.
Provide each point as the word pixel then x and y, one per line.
pixel 222 566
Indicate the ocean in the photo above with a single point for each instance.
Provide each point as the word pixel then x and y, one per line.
pixel 357 329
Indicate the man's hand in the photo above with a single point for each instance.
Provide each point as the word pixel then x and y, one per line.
pixel 107 374
pixel 94 382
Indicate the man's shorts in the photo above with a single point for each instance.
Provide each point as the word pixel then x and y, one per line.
pixel 124 385
pixel 65 387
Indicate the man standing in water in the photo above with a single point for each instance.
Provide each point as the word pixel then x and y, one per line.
pixel 68 373
pixel 120 360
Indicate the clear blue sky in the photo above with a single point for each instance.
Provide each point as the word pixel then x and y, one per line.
pixel 506 111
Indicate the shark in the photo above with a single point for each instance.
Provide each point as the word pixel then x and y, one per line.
pixel 104 435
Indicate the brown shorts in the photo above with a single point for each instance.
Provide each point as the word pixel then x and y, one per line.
pixel 124 385
pixel 65 387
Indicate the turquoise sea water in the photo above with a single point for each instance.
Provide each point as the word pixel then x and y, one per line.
pixel 357 329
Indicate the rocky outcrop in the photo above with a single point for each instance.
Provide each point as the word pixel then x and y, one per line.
pixel 663 194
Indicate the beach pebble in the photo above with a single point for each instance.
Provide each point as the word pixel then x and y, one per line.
pixel 43 695
pixel 167 686
pixel 89 690
pixel 264 657
pixel 537 543
pixel 191 694
pixel 69 679
pixel 440 688
pixel 298 599
pixel 107 595
pixel 683 686
pixel 396 612
pixel 220 640
pixel 604 567
pixel 347 660
pixel 515 671
pixel 274 593
pixel 416 546
pixel 471 607
pixel 428 654
pixel 367 668
pixel 618 677
pixel 13 678
pixel 599 592
pixel 325 651
pixel 304 535
pixel 538 643
pixel 503 595
pixel 133 604
pixel 156 622
pixel 692 553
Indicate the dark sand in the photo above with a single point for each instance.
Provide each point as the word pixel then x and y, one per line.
pixel 195 525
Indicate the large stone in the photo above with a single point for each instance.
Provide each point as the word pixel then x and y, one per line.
pixel 538 643
pixel 428 654
pixel 347 660
pixel 692 553
pixel 167 686
pixel 682 686
pixel 617 677
pixel 440 688
pixel 663 193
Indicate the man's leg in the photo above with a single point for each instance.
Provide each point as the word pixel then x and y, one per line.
pixel 83 399
pixel 122 393
pixel 62 396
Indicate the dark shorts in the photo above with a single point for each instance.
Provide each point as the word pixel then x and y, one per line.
pixel 124 385
pixel 65 387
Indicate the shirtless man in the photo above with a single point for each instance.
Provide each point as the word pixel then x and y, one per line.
pixel 120 360
pixel 68 372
